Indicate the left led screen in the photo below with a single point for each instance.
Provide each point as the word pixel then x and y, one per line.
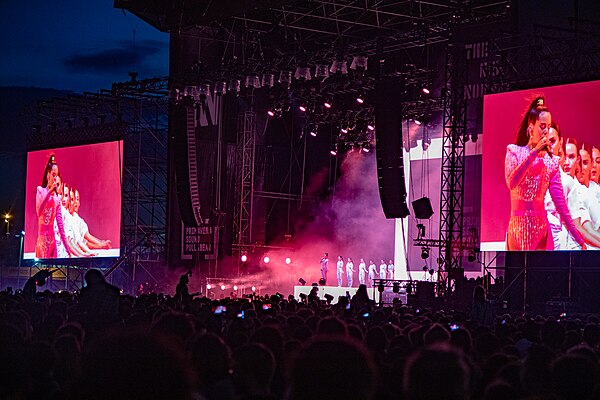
pixel 73 202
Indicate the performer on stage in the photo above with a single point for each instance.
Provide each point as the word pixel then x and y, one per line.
pixel 362 272
pixel 349 271
pixel 90 240
pixel 372 272
pixel 530 171
pixel 47 206
pixel 391 269
pixel 340 270
pixel 324 264
pixel 61 248
pixel 382 270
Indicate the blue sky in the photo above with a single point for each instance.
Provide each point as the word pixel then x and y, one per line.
pixel 76 45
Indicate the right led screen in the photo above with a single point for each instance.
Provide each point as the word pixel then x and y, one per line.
pixel 572 110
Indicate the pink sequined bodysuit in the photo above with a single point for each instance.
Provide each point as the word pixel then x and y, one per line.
pixel 48 208
pixel 529 177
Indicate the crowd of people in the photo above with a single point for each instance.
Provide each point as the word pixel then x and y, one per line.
pixel 366 275
pixel 553 182
pixel 62 233
pixel 100 344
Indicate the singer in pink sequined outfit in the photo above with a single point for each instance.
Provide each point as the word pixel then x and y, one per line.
pixel 530 171
pixel 47 206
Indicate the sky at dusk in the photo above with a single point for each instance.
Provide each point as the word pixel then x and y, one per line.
pixel 76 45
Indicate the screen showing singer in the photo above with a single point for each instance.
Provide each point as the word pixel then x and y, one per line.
pixel 73 202
pixel 541 166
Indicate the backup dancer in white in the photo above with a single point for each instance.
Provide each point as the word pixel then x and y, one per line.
pixel 349 271
pixel 340 270
pixel 372 272
pixel 362 272
pixel 382 270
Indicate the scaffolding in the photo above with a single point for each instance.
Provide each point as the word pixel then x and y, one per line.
pixel 246 148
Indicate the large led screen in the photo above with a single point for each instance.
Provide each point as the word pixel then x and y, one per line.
pixel 73 202
pixel 527 217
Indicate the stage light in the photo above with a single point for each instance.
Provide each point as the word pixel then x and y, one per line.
pixel 366 149
pixel 425 253
pixel 371 127
pixel 313 132
pixel 220 87
pixel 254 288
pixel 302 73
pixel 327 104
pixel 252 81
pixel 244 258
pixel 268 80
pixel 234 85
pixel 208 286
pixel 288 260
pixel 271 113
pixel 285 78
pixel 302 108
pixel 333 152
pixel 360 100
pixel 471 257
pixel 339 67
pixel 266 259
pixel 235 287
pixel 420 231
pixel 302 281
pixel 396 287
pixel 417 121
pixel 322 72
pixel 222 287
pixel 426 90
pixel 380 288
pixel 344 130
pixel 359 64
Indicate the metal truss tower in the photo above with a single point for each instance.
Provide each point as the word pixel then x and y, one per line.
pixel 246 148
pixel 453 163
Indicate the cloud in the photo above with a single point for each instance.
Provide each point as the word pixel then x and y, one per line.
pixel 117 59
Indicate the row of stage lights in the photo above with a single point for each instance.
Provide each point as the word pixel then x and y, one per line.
pixel 266 259
pixel 222 286
pixel 277 110
pixel 301 74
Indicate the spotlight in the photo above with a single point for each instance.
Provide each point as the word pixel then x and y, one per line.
pixel 333 152
pixel 417 121
pixel 208 286
pixel 425 253
pixel 266 259
pixel 371 127
pixel 396 287
pixel 322 71
pixel 471 257
pixel 327 104
pixel 288 260
pixel 235 287
pixel 244 258
pixel 409 288
pixel 359 64
pixel 302 73
pixel 302 281
pixel 254 288
pixel 252 81
pixel 313 132
pixel 380 288
pixel 366 149
pixel 271 113
pixel 268 80
pixel 285 78
pixel 222 287
pixel 339 67
pixel 421 231
pixel 359 99
pixel 302 108
pixel 426 90
pixel 344 130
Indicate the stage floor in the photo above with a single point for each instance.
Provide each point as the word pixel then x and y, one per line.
pixel 336 292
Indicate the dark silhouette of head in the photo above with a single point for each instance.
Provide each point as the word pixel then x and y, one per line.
pixel 93 277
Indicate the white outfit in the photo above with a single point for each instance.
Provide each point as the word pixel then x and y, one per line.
pixel 362 273
pixel 562 239
pixel 349 272
pixel 382 271
pixel 391 270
